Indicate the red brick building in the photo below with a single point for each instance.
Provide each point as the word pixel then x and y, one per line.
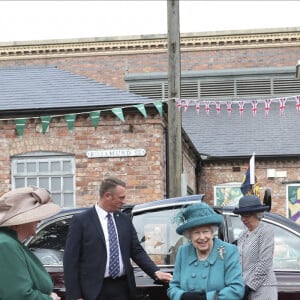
pixel 252 64
pixel 71 155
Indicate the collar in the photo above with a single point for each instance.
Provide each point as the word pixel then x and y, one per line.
pixel 12 233
pixel 217 252
pixel 101 212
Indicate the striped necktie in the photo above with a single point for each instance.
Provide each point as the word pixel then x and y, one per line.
pixel 114 264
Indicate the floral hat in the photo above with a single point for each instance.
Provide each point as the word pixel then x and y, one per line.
pixel 25 205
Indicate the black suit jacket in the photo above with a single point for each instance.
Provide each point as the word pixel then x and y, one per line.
pixel 85 254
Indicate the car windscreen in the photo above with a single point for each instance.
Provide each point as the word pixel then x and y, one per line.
pixel 49 242
pixel 157 233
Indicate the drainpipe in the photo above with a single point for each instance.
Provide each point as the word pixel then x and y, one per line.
pixel 167 194
pixel 198 170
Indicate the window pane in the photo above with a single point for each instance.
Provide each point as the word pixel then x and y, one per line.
pixel 56 198
pixel 68 183
pixel 68 200
pixel 55 184
pixel 55 166
pixel 158 235
pixel 237 227
pixel 43 166
pixel 20 182
pixel 20 167
pixel 49 243
pixel 67 166
pixel 286 250
pixel 32 181
pixel 55 174
pixel 44 182
pixel 31 167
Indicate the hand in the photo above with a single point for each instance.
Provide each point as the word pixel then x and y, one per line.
pixel 163 276
pixel 54 296
pixel 193 296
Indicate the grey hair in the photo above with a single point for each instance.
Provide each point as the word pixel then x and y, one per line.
pixel 260 215
pixel 214 230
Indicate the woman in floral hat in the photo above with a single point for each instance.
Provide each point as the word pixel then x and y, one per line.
pixel 22 275
pixel 256 248
pixel 206 268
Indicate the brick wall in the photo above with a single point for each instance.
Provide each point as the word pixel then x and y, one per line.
pixel 216 173
pixel 111 69
pixel 145 176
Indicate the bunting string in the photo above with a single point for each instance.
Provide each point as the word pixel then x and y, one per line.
pixel 94 116
pixel 180 103
pixel 186 103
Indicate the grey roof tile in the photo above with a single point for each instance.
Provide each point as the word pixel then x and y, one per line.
pixel 230 136
pixel 24 88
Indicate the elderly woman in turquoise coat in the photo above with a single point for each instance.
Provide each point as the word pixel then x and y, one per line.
pixel 206 268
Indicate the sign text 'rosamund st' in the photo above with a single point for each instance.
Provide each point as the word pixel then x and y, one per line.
pixel 115 153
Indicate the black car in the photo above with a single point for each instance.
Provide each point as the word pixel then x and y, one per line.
pixel 156 229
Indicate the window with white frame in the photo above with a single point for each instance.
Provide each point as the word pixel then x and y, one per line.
pixel 50 170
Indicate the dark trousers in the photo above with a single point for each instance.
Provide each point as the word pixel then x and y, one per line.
pixel 114 289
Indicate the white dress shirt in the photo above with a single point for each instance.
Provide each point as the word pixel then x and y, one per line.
pixel 102 215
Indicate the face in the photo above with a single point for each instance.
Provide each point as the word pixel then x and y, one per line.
pixel 250 221
pixel 114 200
pixel 202 239
pixel 27 230
pixel 31 227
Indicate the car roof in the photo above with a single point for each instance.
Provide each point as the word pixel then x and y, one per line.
pixel 274 217
pixel 180 201
pixel 71 211
pixel 158 204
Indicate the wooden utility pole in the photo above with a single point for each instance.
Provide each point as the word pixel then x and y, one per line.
pixel 174 115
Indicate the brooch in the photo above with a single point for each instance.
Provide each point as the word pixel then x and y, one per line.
pixel 221 251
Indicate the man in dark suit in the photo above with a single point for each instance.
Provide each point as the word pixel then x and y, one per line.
pixel 86 257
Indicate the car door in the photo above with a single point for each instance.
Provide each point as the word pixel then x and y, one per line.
pixel 48 245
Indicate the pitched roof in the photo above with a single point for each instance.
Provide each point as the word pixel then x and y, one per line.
pixel 27 88
pixel 219 136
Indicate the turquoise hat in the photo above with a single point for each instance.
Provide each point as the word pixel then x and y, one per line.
pixel 197 215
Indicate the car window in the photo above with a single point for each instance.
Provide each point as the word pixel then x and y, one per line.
pixel 237 227
pixel 286 252
pixel 156 231
pixel 286 249
pixel 49 243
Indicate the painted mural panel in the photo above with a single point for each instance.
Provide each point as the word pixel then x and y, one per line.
pixel 227 195
pixel 293 200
